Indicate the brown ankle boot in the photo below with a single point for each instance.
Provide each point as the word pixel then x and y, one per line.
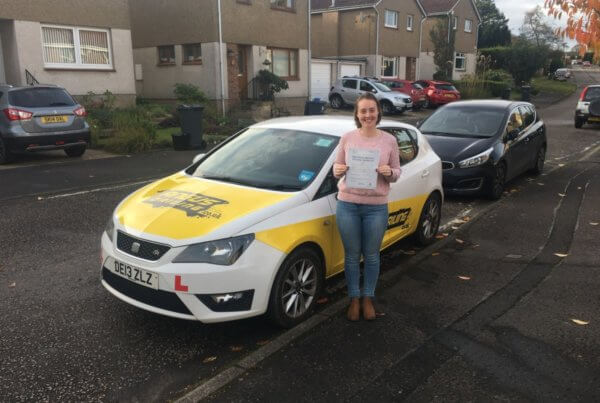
pixel 354 310
pixel 368 309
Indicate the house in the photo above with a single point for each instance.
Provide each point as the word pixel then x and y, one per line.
pixel 82 45
pixel 219 46
pixel 465 21
pixel 364 37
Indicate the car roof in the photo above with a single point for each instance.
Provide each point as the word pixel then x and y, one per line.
pixel 26 87
pixel 330 125
pixel 487 104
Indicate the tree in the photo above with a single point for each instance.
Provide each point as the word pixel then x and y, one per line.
pixel 494 29
pixel 536 29
pixel 525 59
pixel 443 47
pixel 583 22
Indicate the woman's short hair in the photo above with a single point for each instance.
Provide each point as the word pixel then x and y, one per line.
pixel 370 97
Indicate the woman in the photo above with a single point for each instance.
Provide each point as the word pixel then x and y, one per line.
pixel 362 211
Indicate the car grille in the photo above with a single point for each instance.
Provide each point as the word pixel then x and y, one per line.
pixel 407 100
pixel 149 296
pixel 140 248
pixel 447 165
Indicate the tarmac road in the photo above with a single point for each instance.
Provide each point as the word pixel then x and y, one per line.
pixel 63 337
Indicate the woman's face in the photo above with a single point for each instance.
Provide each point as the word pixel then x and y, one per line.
pixel 367 113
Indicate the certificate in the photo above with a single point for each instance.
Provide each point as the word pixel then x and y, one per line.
pixel 362 168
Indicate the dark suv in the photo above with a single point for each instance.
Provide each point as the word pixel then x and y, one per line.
pixel 40 118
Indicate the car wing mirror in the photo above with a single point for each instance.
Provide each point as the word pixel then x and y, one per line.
pixel 198 157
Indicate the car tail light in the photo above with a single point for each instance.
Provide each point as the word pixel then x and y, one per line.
pixel 17 114
pixel 583 94
pixel 80 111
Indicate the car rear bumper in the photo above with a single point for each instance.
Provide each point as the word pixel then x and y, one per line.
pixel 44 142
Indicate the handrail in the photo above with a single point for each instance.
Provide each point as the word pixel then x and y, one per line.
pixel 30 79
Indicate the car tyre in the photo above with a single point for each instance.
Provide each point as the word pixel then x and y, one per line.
pixel 496 184
pixel 540 158
pixel 387 108
pixel 5 155
pixel 578 123
pixel 296 287
pixel 429 221
pixel 76 151
pixel 426 104
pixel 336 102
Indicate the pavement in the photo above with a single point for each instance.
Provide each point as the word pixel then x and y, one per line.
pixel 504 308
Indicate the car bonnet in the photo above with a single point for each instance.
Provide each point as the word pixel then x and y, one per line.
pixel 183 207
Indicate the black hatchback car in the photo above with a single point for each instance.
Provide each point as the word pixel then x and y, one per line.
pixel 484 144
pixel 40 118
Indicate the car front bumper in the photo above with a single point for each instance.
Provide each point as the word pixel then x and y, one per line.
pixel 50 141
pixel 190 290
pixel 467 181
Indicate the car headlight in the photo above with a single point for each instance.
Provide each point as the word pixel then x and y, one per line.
pixel 476 160
pixel 110 228
pixel 222 252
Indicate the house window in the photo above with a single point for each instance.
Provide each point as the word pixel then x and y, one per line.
pixel 388 69
pixel 468 25
pixel 454 22
pixel 166 55
pixel 73 47
pixel 192 53
pixel 460 61
pixel 391 19
pixel 409 22
pixel 284 63
pixel 284 4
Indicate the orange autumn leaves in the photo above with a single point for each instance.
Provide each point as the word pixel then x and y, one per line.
pixel 583 22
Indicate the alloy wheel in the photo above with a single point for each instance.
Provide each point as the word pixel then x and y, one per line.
pixel 431 219
pixel 299 288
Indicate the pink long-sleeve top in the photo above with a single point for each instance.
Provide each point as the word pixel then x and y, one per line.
pixel 388 155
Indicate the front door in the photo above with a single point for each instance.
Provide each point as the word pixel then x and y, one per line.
pixel 242 71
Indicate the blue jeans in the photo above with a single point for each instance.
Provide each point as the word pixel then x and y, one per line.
pixel 361 227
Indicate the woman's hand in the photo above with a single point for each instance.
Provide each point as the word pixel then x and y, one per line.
pixel 385 170
pixel 339 169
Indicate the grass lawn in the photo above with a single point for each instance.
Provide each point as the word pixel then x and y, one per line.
pixel 542 84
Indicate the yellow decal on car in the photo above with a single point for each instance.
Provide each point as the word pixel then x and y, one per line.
pixel 182 207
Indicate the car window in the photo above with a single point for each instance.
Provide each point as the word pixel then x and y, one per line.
pixel 591 94
pixel 464 121
pixel 365 86
pixel 394 84
pixel 349 84
pixel 40 98
pixel 527 115
pixel 515 121
pixel 445 87
pixel 280 159
pixel 406 144
pixel 417 86
pixel 328 186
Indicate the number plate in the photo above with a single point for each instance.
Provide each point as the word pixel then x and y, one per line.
pixel 55 119
pixel 449 95
pixel 135 274
pixel 594 119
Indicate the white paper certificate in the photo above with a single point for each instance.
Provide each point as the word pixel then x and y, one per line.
pixel 362 168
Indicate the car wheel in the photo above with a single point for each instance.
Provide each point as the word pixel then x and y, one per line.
pixel 429 221
pixel 336 102
pixel 578 123
pixel 496 184
pixel 76 151
pixel 296 287
pixel 5 155
pixel 540 158
pixel 387 108
pixel 426 103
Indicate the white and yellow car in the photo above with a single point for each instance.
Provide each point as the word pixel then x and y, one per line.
pixel 250 227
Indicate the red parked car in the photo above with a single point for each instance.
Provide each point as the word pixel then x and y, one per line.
pixel 407 87
pixel 439 92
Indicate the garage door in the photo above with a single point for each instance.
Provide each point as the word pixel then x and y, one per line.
pixel 320 80
pixel 349 70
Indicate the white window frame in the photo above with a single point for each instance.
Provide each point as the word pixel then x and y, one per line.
pixel 409 22
pixel 457 56
pixel 468 25
pixel 394 60
pixel 78 65
pixel 392 13
pixel 455 22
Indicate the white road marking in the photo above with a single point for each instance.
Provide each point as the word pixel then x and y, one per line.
pixel 95 190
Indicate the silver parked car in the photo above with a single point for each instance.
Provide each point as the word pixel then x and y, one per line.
pixel 40 118
pixel 346 90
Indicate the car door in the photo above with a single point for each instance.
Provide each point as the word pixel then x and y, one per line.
pixel 349 90
pixel 517 148
pixel 366 87
pixel 534 134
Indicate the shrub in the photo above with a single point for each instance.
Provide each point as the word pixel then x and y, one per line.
pixel 270 84
pixel 129 140
pixel 499 75
pixel 189 94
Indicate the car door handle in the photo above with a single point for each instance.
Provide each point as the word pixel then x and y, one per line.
pixel 425 174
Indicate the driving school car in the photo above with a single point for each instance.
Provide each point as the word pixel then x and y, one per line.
pixel 249 228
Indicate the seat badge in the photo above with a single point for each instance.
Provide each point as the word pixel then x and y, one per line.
pixel 135 247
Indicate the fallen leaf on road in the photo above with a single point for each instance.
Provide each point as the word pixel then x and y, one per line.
pixel 561 165
pixel 466 218
pixel 12 285
pixel 466 278
pixel 379 313
pixel 476 245
pixel 593 223
pixel 435 253
pixel 561 254
pixel 262 342
pixel 540 183
pixel 442 235
pixel 409 252
pixel 40 197
pixel 580 322
pixel 460 241
pixel 322 300
pixel 235 348
pixel 579 187
pixel 209 359
pixel 513 190
pixel 454 227
pixel 562 194
pixel 514 256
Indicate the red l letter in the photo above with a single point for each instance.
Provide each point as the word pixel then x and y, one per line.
pixel 179 286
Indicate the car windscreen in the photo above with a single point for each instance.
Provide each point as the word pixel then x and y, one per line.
pixel 417 86
pixel 445 87
pixel 381 87
pixel 592 93
pixel 40 98
pixel 465 122
pixel 278 159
